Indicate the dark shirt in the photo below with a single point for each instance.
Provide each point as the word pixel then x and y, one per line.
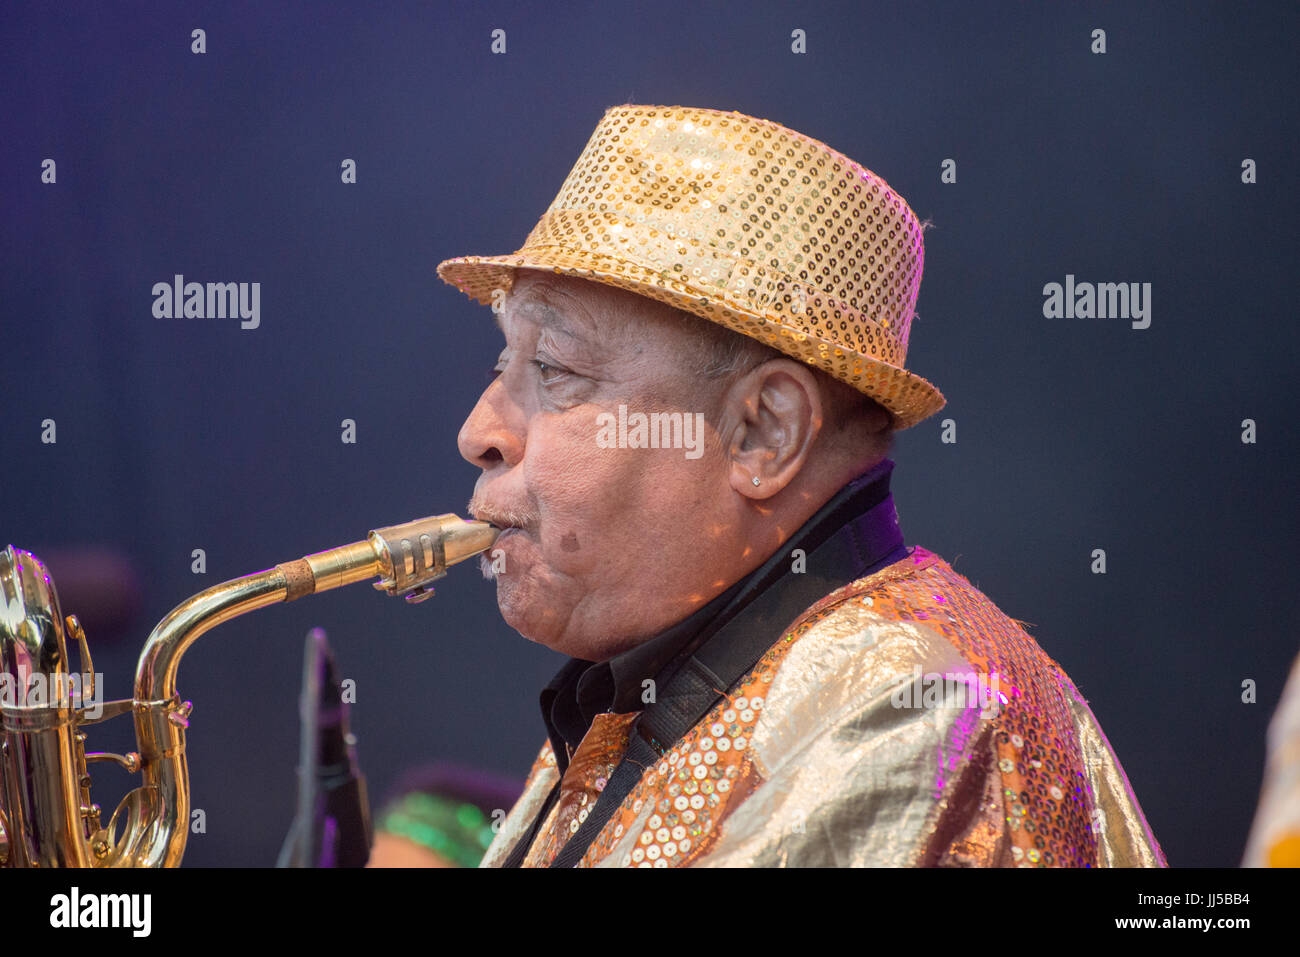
pixel 583 689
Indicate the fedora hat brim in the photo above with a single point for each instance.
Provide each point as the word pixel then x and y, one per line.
pixel 907 396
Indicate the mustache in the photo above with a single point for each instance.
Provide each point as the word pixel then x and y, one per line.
pixel 500 515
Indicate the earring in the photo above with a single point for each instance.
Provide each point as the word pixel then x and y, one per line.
pixel 755 479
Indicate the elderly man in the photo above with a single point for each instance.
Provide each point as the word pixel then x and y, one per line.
pixel 686 442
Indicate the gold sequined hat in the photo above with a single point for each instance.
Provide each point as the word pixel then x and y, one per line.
pixel 745 223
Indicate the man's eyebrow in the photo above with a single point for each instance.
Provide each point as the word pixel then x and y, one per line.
pixel 546 315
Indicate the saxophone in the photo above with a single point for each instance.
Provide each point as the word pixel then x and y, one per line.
pixel 47 818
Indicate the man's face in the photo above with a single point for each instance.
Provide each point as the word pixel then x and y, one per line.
pixel 606 546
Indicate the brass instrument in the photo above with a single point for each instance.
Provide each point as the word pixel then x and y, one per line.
pixel 47 818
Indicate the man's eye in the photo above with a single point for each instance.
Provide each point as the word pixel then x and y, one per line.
pixel 547 372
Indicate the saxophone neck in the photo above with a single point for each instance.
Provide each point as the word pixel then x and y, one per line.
pixel 405 558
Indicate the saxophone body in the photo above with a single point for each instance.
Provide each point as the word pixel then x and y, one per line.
pixel 47 817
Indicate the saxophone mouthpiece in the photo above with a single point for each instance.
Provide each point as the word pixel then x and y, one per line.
pixel 418 553
pixel 464 539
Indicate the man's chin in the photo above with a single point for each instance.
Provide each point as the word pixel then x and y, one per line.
pixel 528 601
pixel 536 620
pixel 527 627
pixel 518 610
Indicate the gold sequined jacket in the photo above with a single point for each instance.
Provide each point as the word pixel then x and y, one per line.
pixel 901 721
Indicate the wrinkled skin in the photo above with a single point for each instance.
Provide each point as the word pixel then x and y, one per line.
pixel 605 547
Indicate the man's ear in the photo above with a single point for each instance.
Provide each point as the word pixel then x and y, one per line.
pixel 775 414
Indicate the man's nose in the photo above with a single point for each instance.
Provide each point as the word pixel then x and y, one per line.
pixel 493 432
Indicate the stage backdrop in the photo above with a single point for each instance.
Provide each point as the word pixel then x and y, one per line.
pixel 334 154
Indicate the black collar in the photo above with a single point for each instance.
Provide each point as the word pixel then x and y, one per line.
pixel 582 689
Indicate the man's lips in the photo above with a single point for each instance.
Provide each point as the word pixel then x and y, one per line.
pixel 506 529
pixel 513 535
pixel 500 519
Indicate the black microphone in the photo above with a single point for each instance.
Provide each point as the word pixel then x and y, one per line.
pixel 332 826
